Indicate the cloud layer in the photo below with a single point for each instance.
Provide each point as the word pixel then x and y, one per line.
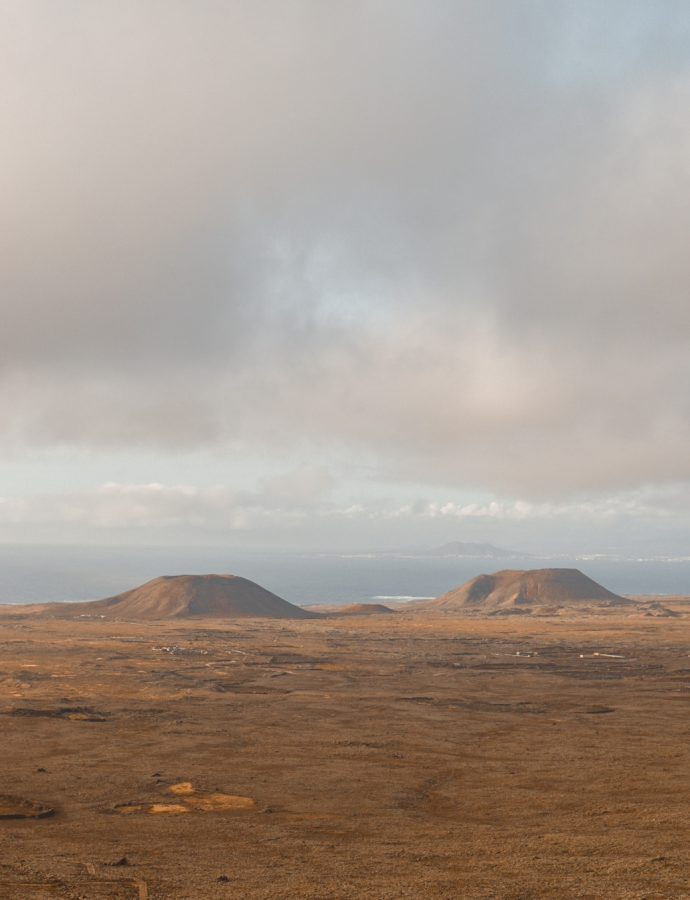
pixel 301 499
pixel 446 238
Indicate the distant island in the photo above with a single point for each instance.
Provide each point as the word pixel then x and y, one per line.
pixel 473 551
pixel 451 550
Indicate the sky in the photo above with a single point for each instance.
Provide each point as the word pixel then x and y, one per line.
pixel 383 273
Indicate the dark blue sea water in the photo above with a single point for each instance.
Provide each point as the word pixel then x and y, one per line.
pixel 42 574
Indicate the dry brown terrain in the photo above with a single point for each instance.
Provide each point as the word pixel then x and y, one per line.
pixel 412 755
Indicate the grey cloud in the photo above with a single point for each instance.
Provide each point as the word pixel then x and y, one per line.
pixel 448 236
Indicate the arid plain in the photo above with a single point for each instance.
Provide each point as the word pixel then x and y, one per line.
pixel 420 754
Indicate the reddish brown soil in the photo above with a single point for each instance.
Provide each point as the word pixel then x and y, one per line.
pixel 412 755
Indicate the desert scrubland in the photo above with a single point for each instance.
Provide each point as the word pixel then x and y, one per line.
pixel 425 754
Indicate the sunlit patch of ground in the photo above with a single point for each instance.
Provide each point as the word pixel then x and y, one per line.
pixel 189 799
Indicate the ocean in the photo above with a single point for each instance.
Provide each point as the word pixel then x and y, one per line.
pixel 45 574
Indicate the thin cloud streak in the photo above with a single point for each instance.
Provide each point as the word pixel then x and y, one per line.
pixel 292 498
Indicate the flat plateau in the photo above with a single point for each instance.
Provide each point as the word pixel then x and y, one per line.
pixel 411 755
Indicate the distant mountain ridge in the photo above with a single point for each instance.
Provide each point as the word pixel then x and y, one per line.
pixel 473 551
pixel 451 550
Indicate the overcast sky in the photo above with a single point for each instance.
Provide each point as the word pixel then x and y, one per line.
pixel 321 274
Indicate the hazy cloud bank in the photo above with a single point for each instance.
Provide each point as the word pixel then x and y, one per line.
pixel 296 497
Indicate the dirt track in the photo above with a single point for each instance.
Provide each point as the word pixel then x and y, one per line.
pixel 387 756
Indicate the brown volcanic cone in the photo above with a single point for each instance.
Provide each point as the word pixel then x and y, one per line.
pixel 515 590
pixel 189 596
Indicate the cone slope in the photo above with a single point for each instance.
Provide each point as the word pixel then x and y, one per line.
pixel 195 596
pixel 533 588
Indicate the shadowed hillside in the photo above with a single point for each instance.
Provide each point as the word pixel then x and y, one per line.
pixel 357 609
pixel 363 609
